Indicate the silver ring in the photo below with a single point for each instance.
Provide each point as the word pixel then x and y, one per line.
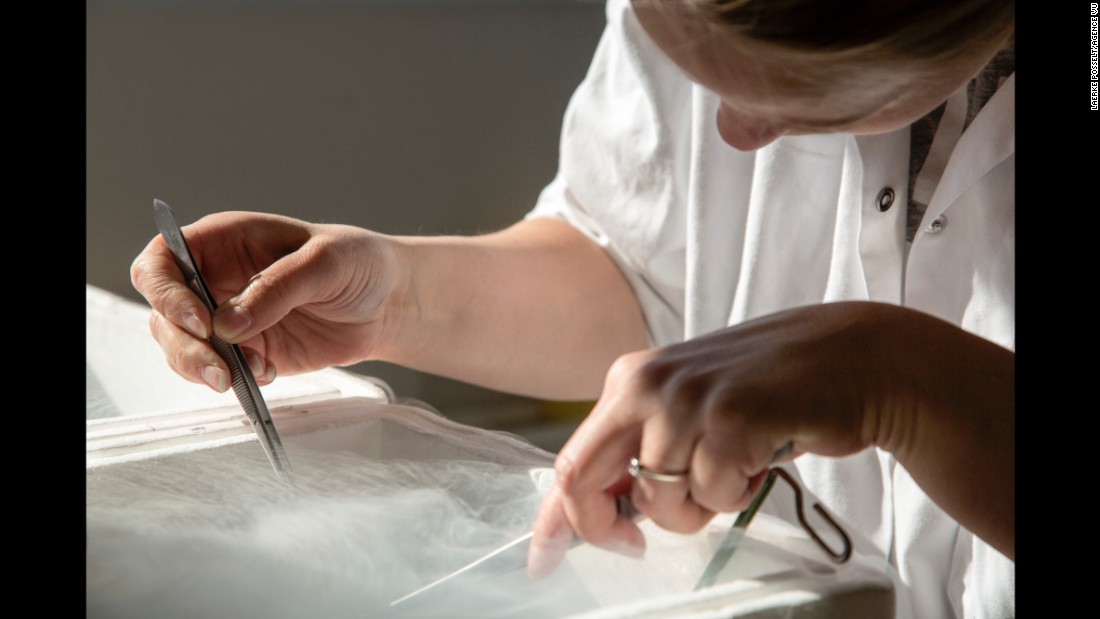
pixel 638 471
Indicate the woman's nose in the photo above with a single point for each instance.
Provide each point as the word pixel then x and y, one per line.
pixel 743 132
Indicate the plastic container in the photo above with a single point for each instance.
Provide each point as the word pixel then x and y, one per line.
pixel 187 519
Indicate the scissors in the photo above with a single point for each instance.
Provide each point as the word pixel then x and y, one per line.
pixel 244 385
pixel 732 540
pixel 736 533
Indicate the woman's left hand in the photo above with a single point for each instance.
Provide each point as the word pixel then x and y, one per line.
pixel 829 379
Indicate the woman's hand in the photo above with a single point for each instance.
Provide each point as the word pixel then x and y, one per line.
pixel 297 296
pixel 829 379
pixel 536 309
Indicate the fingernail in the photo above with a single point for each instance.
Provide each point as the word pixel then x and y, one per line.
pixel 269 374
pixel 215 377
pixel 632 546
pixel 537 564
pixel 548 551
pixel 195 326
pixel 231 322
pixel 256 364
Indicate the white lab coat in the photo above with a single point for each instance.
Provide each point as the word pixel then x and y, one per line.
pixel 709 236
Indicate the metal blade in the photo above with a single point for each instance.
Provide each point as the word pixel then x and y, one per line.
pixel 721 557
pixel 733 537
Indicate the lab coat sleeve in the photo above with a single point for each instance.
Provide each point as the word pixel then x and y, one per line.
pixel 620 144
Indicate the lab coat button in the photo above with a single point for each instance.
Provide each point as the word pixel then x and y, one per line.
pixel 885 199
pixel 937 225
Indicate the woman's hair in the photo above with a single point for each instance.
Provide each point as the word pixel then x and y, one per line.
pixel 869 50
pixel 903 30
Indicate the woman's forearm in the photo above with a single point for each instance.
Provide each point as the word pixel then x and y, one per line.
pixel 537 309
pixel 956 435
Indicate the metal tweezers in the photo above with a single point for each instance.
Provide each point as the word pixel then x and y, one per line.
pixel 244 385
pixel 733 537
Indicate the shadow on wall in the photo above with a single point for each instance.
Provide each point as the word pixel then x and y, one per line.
pixel 433 117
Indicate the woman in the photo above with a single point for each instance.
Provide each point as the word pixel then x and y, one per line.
pixel 779 231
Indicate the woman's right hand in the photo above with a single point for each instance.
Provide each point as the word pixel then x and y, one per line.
pixel 296 296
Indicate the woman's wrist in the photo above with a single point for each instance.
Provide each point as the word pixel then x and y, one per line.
pixel 948 417
pixel 402 334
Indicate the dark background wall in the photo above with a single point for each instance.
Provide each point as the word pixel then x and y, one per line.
pixel 402 116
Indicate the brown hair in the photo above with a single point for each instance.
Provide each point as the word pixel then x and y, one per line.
pixel 906 30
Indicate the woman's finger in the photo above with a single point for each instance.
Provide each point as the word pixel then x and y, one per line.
pixel 552 539
pixel 193 358
pixel 667 444
pixel 719 479
pixel 155 275
pixel 591 467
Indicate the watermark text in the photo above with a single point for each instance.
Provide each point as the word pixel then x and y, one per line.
pixel 1094 60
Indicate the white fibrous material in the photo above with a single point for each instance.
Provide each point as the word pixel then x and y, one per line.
pixel 214 533
pixel 187 519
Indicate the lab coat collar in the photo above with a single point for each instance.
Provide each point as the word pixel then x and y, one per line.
pixel 989 140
